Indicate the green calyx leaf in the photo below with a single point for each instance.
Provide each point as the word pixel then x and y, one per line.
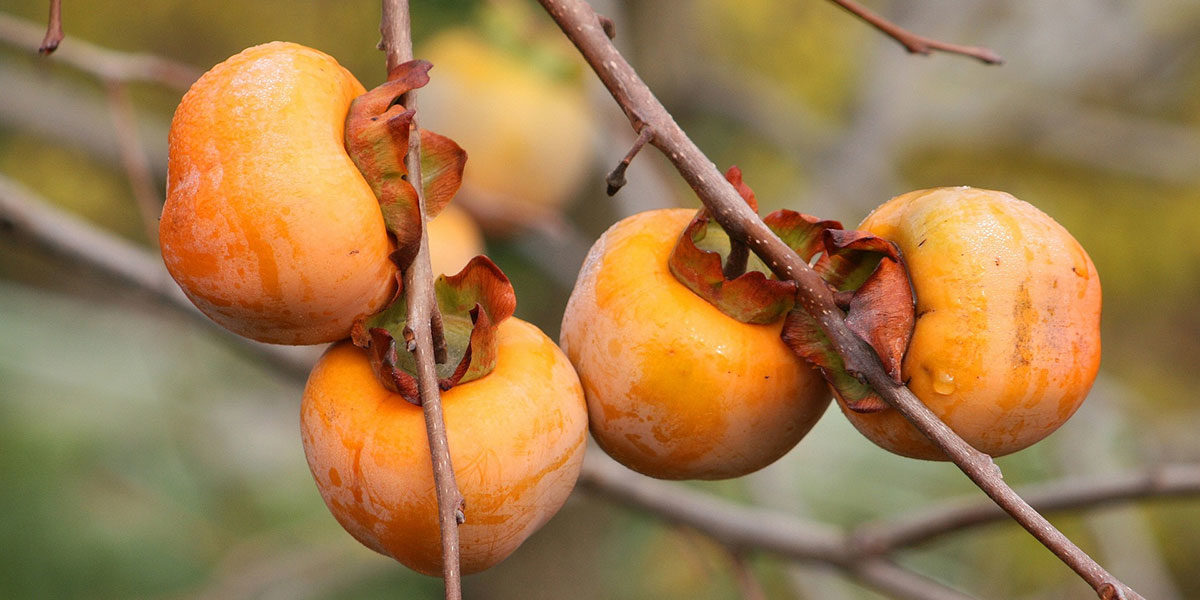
pixel 472 303
pixel 377 140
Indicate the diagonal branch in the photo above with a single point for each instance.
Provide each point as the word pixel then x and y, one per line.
pixel 917 44
pixel 583 27
pixel 425 320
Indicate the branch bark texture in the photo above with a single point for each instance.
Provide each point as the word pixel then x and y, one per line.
pixel 425 320
pixel 585 29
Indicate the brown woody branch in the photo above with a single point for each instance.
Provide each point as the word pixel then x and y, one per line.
pixel 917 44
pixel 424 318
pixel 583 27
pixel 26 217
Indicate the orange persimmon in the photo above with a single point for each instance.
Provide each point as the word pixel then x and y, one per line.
pixel 269 227
pixel 1007 336
pixel 516 435
pixel 675 388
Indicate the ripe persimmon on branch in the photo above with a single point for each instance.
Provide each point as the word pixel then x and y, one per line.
pixel 592 36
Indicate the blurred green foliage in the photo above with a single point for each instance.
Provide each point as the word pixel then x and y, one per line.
pixel 141 456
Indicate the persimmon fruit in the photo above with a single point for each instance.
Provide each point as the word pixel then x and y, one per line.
pixel 1006 343
pixel 529 135
pixel 516 437
pixel 675 388
pixel 269 227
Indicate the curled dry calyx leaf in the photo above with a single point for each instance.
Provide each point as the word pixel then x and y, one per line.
pixel 864 270
pixel 472 303
pixel 377 139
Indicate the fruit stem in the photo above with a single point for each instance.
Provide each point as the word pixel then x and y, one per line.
pixel 424 318
pixel 583 27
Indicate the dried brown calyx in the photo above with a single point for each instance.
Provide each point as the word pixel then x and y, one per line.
pixel 472 303
pixel 865 272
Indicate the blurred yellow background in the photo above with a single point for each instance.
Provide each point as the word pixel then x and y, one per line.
pixel 141 455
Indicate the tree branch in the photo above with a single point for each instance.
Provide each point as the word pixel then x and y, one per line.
pixel 424 319
pixel 583 27
pixel 916 44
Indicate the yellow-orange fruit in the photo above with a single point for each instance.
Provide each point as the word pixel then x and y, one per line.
pixel 529 136
pixel 516 436
pixel 269 227
pixel 1007 338
pixel 454 239
pixel 675 388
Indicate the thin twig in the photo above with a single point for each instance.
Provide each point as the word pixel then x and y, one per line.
pixel 106 64
pixel 134 160
pixel 54 29
pixel 580 24
pixel 616 178
pixel 395 27
pixel 917 44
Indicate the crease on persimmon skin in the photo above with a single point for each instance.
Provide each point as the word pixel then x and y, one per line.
pixel 996 312
pixel 676 389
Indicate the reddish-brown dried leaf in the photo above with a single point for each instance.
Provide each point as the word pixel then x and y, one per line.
pixel 881 312
pixel 804 336
pixel 751 296
pixel 734 176
pixel 442 163
pixel 377 136
pixel 473 303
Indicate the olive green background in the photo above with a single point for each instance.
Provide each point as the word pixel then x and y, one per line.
pixel 143 456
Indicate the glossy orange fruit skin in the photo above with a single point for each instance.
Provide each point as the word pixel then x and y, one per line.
pixel 268 226
pixel 675 388
pixel 516 436
pixel 1007 337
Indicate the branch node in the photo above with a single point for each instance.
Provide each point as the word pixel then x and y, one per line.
pixel 616 179
pixel 410 339
pixel 610 28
